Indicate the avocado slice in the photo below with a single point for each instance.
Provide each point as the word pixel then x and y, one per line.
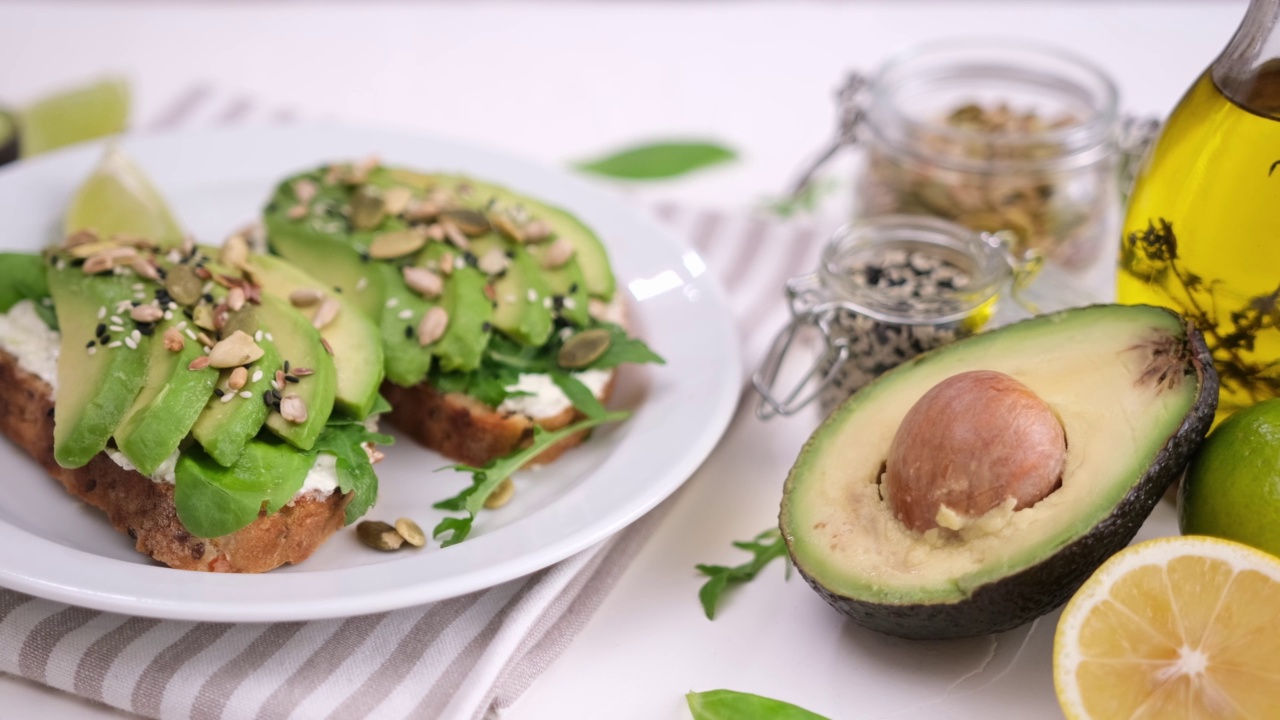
pixel 567 282
pixel 521 293
pixel 470 311
pixel 224 428
pixel 301 346
pixel 407 361
pixel 97 382
pixel 169 404
pixel 214 500
pixel 1134 390
pixel 589 251
pixel 358 354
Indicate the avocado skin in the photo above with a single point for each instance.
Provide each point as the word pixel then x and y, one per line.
pixel 1020 598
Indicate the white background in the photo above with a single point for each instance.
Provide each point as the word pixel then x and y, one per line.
pixel 560 82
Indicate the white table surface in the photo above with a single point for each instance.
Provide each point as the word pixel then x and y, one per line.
pixel 758 76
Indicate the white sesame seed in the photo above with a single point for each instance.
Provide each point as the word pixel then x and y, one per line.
pixel 131 343
pixel 257 375
pixel 509 298
pixel 137 286
pixel 246 394
pixel 275 385
pixel 208 288
pixel 47 302
pixel 114 344
pixel 102 312
pixel 362 283
pixel 270 337
pixel 532 295
pixel 189 333
pixel 459 263
pixel 569 303
pixel 136 335
pixel 546 303
pixel 226 397
pixel 93 349
pixel 392 302
pixel 257 336
pixel 60 264
pixel 139 296
pixel 115 328
pixel 116 319
pixel 168 314
pixel 182 325
pixel 173 306
pixel 405 314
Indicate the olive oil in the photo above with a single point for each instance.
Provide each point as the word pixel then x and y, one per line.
pixel 1202 233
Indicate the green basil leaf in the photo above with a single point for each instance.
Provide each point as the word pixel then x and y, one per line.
pixel 659 160
pixel 732 705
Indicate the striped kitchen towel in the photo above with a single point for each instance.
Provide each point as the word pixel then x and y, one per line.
pixel 468 657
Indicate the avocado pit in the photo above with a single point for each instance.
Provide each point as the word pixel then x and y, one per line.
pixel 970 444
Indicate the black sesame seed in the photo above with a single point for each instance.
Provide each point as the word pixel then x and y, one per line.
pixel 147 329
pixel 337 289
pixel 286 366
pixel 266 398
pixel 207 297
pixel 218 392
pixel 162 273
pixel 573 288
pixel 408 331
pixel 469 258
pixel 486 326
pixel 557 301
pixel 291 378
pixel 91 343
pixel 77 262
pixel 511 254
pixel 100 330
pixel 49 412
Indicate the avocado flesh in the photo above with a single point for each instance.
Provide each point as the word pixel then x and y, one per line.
pixel 213 500
pixel 300 345
pixel 171 400
pixel 94 390
pixel 224 428
pixel 1131 417
pixel 358 355
pixel 470 310
pixel 407 361
pixel 568 282
pixel 9 145
pixel 588 249
pixel 525 320
pixel 329 258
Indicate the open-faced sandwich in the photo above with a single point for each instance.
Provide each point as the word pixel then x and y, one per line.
pixel 497 311
pixel 221 422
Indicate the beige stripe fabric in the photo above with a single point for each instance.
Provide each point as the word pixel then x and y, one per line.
pixel 467 658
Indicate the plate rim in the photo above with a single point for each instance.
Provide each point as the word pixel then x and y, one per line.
pixel 674 473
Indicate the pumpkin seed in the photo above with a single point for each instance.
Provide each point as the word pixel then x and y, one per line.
pixel 397 243
pixel 507 227
pixel 235 251
pixel 583 348
pixel 470 222
pixel 183 284
pixel 368 208
pixel 501 495
pixel 379 535
pixel 395 200
pixel 244 320
pixel 203 317
pixel 234 351
pixel 411 533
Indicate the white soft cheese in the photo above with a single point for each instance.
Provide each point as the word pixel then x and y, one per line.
pixel 545 398
pixel 322 478
pixel 25 336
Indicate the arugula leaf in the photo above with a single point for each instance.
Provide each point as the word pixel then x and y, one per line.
pixel 22 277
pixel 660 160
pixel 580 395
pixel 733 705
pixel 764 548
pixel 484 480
pixel 624 349
pixel 345 441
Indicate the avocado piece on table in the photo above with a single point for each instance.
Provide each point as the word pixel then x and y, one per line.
pixel 407 361
pixel 97 381
pixel 225 427
pixel 589 251
pixel 170 402
pixel 213 500
pixel 302 348
pixel 520 292
pixel 354 337
pixel 469 309
pixel 1134 390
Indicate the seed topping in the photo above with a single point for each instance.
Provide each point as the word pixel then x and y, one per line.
pixel 432 326
pixel 234 351
pixel 396 243
pixel 293 409
pixel 423 281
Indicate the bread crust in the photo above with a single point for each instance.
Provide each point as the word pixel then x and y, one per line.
pixel 144 509
pixel 462 428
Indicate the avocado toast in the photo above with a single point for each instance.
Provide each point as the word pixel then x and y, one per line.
pixel 219 424
pixel 497 312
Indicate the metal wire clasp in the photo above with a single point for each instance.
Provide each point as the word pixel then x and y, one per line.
pixel 804 295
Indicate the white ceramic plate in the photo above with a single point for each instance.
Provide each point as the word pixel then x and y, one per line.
pixel 53 546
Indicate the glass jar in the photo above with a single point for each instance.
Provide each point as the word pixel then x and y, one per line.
pixel 886 290
pixel 993 134
pixel 1202 234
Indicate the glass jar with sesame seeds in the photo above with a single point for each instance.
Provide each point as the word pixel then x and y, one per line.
pixel 886 290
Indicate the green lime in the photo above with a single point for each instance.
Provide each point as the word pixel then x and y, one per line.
pixel 116 198
pixel 75 116
pixel 1232 489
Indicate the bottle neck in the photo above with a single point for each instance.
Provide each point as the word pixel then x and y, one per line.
pixel 1248 70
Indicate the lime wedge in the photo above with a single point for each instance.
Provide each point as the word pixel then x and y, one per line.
pixel 75 116
pixel 117 198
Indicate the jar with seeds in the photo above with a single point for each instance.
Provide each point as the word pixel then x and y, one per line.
pixel 886 290
pixel 995 135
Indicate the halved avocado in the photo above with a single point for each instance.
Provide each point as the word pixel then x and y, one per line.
pixel 1134 390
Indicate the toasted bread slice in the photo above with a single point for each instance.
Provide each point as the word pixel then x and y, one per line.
pixel 461 427
pixel 144 509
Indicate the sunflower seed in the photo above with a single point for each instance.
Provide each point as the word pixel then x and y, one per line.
pixel 306 297
pixel 493 262
pixel 558 254
pixel 173 341
pixel 325 314
pixel 235 251
pixel 423 281
pixel 536 231
pixel 432 326
pixel 293 409
pixel 146 313
pixel 238 378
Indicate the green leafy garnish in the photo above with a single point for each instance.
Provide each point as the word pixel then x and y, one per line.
pixel 764 548
pixel 580 395
pixel 345 441
pixel 623 349
pixel 484 480
pixel 22 277
pixel 658 161
pixel 733 705
pixel 213 500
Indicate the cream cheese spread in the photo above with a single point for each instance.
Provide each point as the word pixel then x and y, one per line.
pixel 322 479
pixel 545 399
pixel 25 336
